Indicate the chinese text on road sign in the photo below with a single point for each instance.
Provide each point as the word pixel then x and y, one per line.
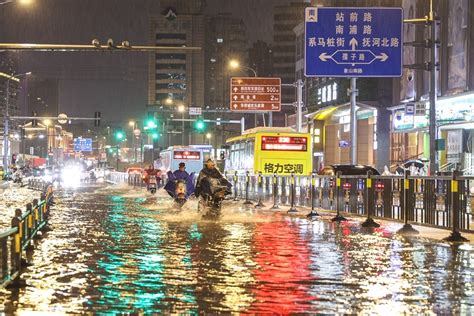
pixel 353 42
pixel 82 144
pixel 255 94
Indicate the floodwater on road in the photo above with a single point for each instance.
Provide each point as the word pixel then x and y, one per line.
pixel 113 249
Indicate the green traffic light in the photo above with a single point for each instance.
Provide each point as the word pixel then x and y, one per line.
pixel 155 135
pixel 119 135
pixel 200 126
pixel 151 124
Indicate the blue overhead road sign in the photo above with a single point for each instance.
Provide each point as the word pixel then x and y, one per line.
pixel 82 144
pixel 353 42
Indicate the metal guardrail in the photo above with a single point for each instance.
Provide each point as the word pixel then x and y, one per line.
pixel 19 238
pixel 445 202
pixel 134 179
pixel 37 184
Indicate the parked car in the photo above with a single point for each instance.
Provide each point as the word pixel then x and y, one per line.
pixel 347 170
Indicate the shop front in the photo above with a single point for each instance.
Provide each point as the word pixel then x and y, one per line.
pixel 331 132
pixel 455 118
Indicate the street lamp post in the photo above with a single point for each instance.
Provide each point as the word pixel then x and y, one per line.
pixel 6 120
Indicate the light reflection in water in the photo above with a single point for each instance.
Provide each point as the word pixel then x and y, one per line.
pixel 108 254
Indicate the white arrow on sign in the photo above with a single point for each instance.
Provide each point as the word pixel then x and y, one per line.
pixel 235 106
pixel 353 43
pixel 235 98
pixel 324 57
pixel 236 89
pixel 382 57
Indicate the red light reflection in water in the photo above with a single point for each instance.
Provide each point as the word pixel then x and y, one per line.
pixel 283 277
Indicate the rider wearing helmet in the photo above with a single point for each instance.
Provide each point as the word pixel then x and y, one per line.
pixel 151 171
pixel 208 172
pixel 181 173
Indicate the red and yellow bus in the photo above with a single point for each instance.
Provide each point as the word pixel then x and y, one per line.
pixel 270 150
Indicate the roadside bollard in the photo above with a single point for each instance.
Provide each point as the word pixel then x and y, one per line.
pixel 369 203
pixel 338 217
pixel 455 233
pixel 275 192
pixel 292 194
pixel 247 184
pixel 260 191
pixel 236 191
pixel 407 229
pixel 313 212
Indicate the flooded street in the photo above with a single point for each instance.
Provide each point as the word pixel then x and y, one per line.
pixel 119 250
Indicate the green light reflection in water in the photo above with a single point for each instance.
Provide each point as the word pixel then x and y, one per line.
pixel 131 273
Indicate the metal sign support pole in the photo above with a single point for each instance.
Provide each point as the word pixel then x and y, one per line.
pixel 299 105
pixel 242 125
pixel 353 93
pixel 270 119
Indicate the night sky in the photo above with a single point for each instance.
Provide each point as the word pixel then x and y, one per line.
pixel 114 83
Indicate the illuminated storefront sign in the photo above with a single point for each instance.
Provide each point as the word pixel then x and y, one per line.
pixel 456 109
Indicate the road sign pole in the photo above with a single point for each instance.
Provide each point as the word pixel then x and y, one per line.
pixel 299 105
pixel 270 119
pixel 242 125
pixel 353 93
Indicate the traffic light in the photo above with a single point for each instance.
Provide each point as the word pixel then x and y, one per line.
pixel 96 118
pixel 34 122
pixel 155 135
pixel 151 123
pixel 119 135
pixel 200 126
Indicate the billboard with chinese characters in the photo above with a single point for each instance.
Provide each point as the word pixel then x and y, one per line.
pixel 254 94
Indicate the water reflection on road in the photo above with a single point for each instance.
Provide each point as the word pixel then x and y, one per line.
pixel 113 251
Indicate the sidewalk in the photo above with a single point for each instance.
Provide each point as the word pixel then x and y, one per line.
pixel 425 231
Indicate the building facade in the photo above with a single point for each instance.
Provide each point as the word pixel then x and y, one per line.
pixel 261 58
pixel 455 81
pixel 177 75
pixel 226 40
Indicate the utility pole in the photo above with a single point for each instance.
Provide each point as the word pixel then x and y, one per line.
pixel 432 66
pixel 433 128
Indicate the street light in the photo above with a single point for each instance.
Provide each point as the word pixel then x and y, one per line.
pixel 234 64
pixel 22 2
pixel 7 118
pixel 209 136
pixel 131 123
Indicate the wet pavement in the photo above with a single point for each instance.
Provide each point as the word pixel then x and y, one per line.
pixel 118 250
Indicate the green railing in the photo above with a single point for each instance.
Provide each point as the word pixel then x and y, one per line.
pixel 19 238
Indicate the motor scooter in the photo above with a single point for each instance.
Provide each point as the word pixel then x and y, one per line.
pixel 210 199
pixel 180 189
pixel 152 184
